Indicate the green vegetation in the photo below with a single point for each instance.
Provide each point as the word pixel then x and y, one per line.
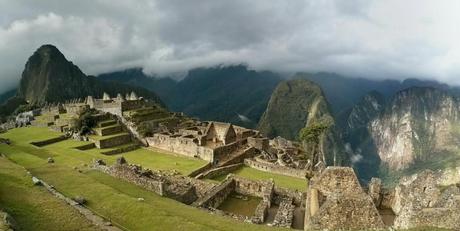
pixel 66 149
pixel 114 199
pixel 27 203
pixel 292 105
pixel 216 93
pixel 237 205
pixel 52 78
pixel 312 136
pixel 280 180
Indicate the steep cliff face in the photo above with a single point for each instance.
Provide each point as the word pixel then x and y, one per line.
pixel 416 126
pixel 296 104
pixel 49 77
pixel 292 105
pixel 232 94
pixel 357 136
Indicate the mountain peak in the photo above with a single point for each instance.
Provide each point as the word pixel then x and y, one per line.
pixel 49 77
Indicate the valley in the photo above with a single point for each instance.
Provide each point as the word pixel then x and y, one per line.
pixel 112 155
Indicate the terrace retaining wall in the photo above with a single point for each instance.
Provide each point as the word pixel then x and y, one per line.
pixel 273 168
pixel 49 141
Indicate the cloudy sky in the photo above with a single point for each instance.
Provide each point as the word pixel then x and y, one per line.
pixel 372 39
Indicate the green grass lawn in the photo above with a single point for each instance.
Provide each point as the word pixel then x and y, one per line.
pixel 239 206
pixel 32 207
pixel 65 150
pixel 113 198
pixel 280 180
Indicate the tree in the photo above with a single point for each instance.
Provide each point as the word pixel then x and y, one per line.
pixel 312 137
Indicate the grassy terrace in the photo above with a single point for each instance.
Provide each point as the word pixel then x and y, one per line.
pixel 26 203
pixel 106 195
pixel 280 180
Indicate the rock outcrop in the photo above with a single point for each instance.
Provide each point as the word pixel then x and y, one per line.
pixel 416 126
pixel 357 135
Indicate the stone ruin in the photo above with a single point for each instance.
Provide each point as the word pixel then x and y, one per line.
pixel 336 200
pixel 421 200
pixel 116 105
pixel 208 195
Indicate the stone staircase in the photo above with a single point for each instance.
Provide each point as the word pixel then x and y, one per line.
pixel 111 138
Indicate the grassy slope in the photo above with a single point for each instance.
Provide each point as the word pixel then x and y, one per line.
pixel 147 158
pixel 106 195
pixel 280 180
pixel 33 207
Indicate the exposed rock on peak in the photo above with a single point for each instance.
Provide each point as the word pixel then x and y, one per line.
pixel 296 104
pixel 419 124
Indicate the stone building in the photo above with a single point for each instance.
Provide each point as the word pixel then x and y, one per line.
pixel 210 141
pixel 336 200
pixel 424 200
pixel 116 105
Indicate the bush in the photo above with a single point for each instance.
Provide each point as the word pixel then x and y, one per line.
pixel 85 122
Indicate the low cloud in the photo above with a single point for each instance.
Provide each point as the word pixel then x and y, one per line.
pixel 372 39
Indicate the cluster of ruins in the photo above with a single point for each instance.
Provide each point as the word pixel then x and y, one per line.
pixel 334 198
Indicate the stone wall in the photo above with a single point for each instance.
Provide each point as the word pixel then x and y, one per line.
pixel 98 221
pixel 49 141
pixel 262 189
pixel 113 141
pixel 298 198
pixel 259 143
pixel 419 201
pixel 240 156
pixel 121 150
pixel 109 130
pixel 222 151
pixel 180 145
pixel 76 109
pixel 285 214
pixel 274 168
pixel 261 212
pixel 200 170
pixel 217 195
pixel 336 200
pixel 86 147
pixel 151 181
pixel 219 171
pixel 132 104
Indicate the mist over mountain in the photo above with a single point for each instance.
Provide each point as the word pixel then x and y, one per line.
pixel 343 92
pixel 224 93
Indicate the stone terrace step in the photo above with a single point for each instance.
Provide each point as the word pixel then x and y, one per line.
pixel 109 130
pixel 106 123
pixel 111 141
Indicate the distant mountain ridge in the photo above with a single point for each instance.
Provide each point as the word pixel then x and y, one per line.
pixel 223 93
